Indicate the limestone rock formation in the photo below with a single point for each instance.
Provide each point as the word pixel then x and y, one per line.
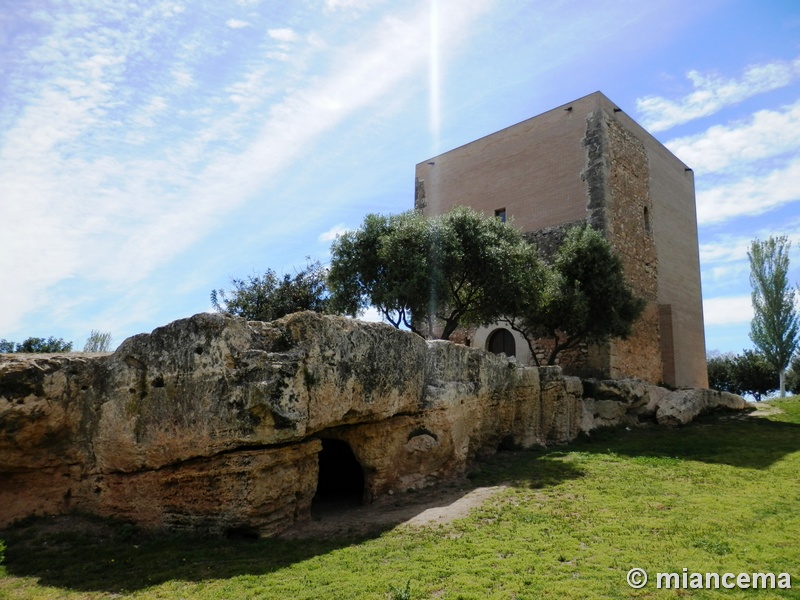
pixel 215 423
pixel 608 403
pixel 682 406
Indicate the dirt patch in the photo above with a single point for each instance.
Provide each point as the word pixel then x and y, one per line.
pixel 763 410
pixel 753 410
pixel 422 508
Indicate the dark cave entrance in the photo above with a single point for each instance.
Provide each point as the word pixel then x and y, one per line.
pixel 341 478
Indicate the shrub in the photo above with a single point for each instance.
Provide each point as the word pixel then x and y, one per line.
pixel 747 373
pixel 36 345
pixel 98 342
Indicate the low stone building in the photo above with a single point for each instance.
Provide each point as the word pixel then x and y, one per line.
pixel 587 161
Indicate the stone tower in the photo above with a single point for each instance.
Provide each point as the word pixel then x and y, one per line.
pixel 587 161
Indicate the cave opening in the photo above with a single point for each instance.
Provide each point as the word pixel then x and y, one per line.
pixel 341 477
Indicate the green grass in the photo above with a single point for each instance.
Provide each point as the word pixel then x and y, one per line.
pixel 721 495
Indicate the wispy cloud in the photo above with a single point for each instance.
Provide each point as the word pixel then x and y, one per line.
pixel 332 233
pixel 727 310
pixel 725 249
pixel 236 23
pixel 713 92
pixel 125 169
pixel 284 34
pixel 332 5
pixel 724 261
pixel 767 134
pixel 752 195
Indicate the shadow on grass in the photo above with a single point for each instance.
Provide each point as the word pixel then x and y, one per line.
pixel 735 440
pixel 94 555
pixel 527 468
pixel 90 554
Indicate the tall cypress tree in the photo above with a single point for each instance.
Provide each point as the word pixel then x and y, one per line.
pixel 775 325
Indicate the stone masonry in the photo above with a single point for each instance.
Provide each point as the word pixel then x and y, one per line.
pixel 587 161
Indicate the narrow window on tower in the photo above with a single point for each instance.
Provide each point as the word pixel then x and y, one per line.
pixel 646 220
pixel 500 213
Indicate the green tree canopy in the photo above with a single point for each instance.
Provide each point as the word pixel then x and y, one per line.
pixel 754 375
pixel 743 374
pixel 37 345
pixel 721 372
pixel 458 269
pixel 586 298
pixel 793 376
pixel 269 297
pixel 775 325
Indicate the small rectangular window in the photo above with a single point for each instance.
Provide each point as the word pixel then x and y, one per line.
pixel 500 213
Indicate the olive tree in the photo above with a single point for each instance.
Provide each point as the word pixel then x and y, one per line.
pixel 722 372
pixel 745 373
pixel 269 297
pixel 432 274
pixel 753 374
pixel 585 297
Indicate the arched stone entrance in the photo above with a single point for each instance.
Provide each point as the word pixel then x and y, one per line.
pixel 501 341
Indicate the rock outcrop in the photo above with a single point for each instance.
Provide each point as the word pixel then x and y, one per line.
pixel 608 403
pixel 216 423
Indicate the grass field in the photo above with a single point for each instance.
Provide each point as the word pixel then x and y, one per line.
pixel 721 495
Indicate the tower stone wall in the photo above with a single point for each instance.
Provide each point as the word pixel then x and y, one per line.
pixel 587 161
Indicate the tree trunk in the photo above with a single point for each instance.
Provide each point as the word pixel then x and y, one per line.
pixel 782 379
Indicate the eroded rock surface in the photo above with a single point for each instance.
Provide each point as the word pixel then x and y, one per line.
pixel 216 423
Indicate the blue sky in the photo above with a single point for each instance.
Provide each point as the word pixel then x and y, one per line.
pixel 150 151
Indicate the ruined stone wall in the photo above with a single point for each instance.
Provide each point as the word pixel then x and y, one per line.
pixel 673 222
pixel 629 212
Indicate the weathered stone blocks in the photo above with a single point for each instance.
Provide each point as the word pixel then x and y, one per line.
pixel 214 423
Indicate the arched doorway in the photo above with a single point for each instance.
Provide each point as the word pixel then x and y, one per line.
pixel 341 478
pixel 501 341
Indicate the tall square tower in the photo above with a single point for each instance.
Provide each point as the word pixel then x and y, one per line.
pixel 587 161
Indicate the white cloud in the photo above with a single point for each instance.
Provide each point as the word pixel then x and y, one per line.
pixel 118 211
pixel 725 249
pixel 183 79
pixel 713 92
pixel 752 195
pixel 727 310
pixel 146 116
pixel 236 23
pixel 722 277
pixel 724 261
pixel 332 5
pixel 371 315
pixel 358 78
pixel 724 147
pixel 332 233
pixel 283 35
